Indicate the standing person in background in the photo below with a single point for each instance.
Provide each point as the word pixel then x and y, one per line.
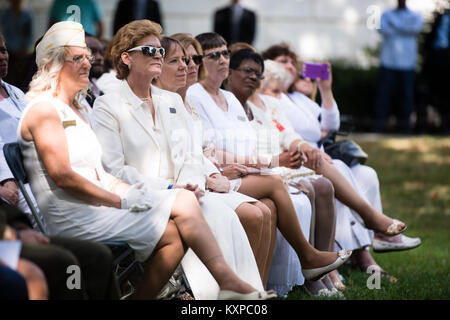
pixel 16 25
pixel 90 15
pixel 399 28
pixel 129 10
pixel 235 23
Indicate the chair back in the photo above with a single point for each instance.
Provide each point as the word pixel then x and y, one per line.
pixel 14 159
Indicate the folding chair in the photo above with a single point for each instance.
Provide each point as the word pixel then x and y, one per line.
pixel 124 261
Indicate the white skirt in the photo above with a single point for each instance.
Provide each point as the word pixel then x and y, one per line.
pixel 233 242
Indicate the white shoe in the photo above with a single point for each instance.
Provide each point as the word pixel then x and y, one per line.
pixel 318 273
pixel 386 246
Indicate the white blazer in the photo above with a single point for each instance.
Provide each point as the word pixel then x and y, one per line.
pixel 129 144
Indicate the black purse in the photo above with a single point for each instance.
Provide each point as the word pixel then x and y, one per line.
pixel 346 150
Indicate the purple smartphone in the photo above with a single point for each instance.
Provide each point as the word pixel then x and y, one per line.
pixel 316 70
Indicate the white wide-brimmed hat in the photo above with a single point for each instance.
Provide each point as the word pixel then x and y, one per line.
pixel 61 34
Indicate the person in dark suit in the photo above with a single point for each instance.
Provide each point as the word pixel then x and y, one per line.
pixel 53 255
pixel 235 23
pixel 129 10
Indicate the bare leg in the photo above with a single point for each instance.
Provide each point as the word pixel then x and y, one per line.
pixel 325 224
pixel 346 194
pixel 272 233
pixel 197 235
pixel 252 220
pixel 35 279
pixel 162 263
pixel 273 187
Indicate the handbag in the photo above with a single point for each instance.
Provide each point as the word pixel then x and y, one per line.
pixel 347 151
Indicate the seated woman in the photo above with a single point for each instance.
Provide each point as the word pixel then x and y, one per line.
pixel 304 120
pixel 224 119
pixel 79 199
pixel 249 210
pixel 144 136
pixel 246 69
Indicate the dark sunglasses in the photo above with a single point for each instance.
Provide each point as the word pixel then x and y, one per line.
pixel 249 72
pixel 197 60
pixel 216 54
pixel 301 76
pixel 149 50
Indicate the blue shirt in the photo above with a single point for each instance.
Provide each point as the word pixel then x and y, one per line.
pixel 442 32
pixel 89 13
pixel 399 28
pixel 17 30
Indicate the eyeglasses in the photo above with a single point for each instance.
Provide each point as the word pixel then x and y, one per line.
pixel 216 54
pixel 149 50
pixel 197 59
pixel 79 59
pixel 249 72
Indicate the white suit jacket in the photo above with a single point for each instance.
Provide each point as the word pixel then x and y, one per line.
pixel 128 142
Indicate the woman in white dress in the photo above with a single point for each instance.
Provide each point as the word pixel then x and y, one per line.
pixel 79 199
pixel 145 136
pixel 249 210
pixel 246 67
pixel 227 124
pixel 303 115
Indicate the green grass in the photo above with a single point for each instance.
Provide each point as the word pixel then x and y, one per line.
pixel 414 174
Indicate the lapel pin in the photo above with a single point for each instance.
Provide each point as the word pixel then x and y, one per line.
pixel 173 110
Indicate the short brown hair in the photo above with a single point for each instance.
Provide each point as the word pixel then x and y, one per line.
pixel 278 50
pixel 210 40
pixel 187 40
pixel 127 37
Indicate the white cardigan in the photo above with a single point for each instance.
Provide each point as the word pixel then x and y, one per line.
pixel 130 149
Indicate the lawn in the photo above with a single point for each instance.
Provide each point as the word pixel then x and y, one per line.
pixel 414 175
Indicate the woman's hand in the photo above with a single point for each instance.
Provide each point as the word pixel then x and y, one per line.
pixel 9 192
pixel 218 183
pixel 313 156
pixel 191 187
pixel 234 171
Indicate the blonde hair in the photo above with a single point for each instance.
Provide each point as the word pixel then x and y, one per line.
pixel 273 71
pixel 187 40
pixel 127 37
pixel 47 75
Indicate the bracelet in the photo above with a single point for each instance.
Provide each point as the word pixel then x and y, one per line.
pixel 170 186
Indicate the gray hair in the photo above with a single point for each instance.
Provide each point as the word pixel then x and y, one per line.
pixel 275 72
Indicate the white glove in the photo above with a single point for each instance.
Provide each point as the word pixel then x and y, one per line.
pixel 137 198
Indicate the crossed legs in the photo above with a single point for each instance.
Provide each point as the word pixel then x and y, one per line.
pixel 187 228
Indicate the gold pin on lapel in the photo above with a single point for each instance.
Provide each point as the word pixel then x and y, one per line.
pixel 68 123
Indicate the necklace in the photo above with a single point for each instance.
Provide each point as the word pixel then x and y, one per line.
pixel 146 99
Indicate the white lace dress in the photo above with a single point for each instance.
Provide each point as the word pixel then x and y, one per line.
pixel 68 216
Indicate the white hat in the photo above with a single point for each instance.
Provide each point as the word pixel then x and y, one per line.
pixel 61 34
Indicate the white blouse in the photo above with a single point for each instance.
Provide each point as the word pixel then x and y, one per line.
pixel 304 113
pixel 229 130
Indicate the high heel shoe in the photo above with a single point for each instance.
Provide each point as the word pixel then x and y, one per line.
pixel 255 295
pixel 318 273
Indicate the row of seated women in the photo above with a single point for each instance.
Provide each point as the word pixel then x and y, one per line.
pixel 185 172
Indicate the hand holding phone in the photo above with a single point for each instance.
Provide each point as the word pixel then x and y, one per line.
pixel 316 70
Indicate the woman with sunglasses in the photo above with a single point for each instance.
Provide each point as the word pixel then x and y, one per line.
pixel 303 115
pixel 254 215
pixel 137 127
pixel 218 203
pixel 225 120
